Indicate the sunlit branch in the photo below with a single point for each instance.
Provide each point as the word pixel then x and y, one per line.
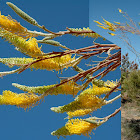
pixel 92 119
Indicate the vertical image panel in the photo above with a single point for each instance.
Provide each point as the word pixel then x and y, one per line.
pixel 117 22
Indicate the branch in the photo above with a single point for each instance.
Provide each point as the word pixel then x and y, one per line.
pixel 92 119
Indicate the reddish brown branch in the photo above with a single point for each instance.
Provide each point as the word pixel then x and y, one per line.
pixel 83 74
pixel 113 114
pixel 73 32
pixel 77 51
pixel 113 89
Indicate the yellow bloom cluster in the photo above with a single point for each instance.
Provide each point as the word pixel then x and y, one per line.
pixel 80 112
pixel 67 88
pixel 86 100
pixel 93 35
pixel 23 100
pixel 75 126
pixel 11 25
pixel 29 47
pixel 106 25
pixel 56 63
pixel 89 100
pixel 95 90
pixel 78 126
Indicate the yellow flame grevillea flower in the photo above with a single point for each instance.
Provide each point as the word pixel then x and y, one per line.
pixel 56 63
pixel 75 126
pixel 68 88
pixel 11 25
pixel 29 47
pixel 23 100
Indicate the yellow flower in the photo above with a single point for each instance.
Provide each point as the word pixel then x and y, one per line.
pixel 108 23
pixel 56 63
pixel 86 101
pixel 95 90
pixel 23 100
pixel 78 126
pixel 98 22
pixel 110 84
pixel 75 126
pixel 29 47
pixel 103 27
pixel 112 28
pixel 13 26
pixel 66 88
pixel 93 35
pixel 89 100
pixel 112 34
pixel 120 11
pixel 80 112
pixel 117 22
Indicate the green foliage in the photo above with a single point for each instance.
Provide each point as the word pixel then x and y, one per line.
pixel 131 85
pixel 127 66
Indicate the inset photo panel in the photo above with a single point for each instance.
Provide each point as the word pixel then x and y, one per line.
pixel 117 22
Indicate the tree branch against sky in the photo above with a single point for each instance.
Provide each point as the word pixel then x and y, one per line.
pixel 110 12
pixel 82 71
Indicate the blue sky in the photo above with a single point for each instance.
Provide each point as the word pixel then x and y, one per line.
pixel 108 9
pixel 40 121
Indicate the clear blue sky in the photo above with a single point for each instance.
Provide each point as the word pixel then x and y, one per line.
pixel 40 121
pixel 108 9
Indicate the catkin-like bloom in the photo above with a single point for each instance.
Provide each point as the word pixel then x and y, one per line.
pixel 75 126
pixel 11 25
pixel 67 88
pixel 93 35
pixel 56 63
pixel 77 113
pixel 95 90
pixel 88 99
pixel 28 47
pixel 84 101
pixel 110 84
pixel 23 100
